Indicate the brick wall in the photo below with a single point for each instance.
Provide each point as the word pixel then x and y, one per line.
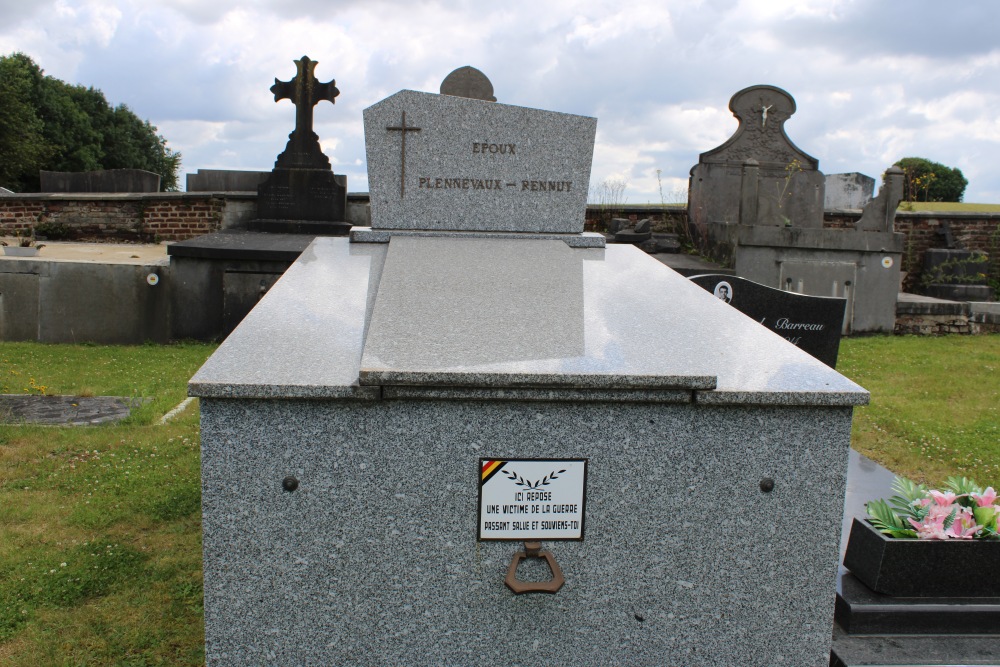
pixel 974 231
pixel 176 221
pixel 169 216
pixel 18 216
pixel 175 216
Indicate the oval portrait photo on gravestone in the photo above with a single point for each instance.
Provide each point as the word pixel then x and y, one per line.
pixel 724 291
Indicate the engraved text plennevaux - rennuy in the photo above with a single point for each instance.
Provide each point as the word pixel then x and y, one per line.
pixel 493 149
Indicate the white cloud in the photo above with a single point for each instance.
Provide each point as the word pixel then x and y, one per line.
pixel 658 76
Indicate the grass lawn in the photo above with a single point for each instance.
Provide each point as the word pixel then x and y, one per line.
pixel 100 527
pixel 951 207
pixel 100 530
pixel 935 408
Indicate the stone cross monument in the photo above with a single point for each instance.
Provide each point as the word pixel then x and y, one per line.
pixel 303 195
pixel 305 92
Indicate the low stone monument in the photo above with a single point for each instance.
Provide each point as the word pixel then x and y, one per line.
pixel 464 438
pixel 302 193
pixel 757 202
pixel 102 180
pixel 225 180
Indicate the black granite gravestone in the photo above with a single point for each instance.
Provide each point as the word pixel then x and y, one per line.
pixel 303 194
pixel 813 323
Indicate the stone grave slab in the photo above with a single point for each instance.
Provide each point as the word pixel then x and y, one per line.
pixel 386 454
pixel 451 163
pixel 66 410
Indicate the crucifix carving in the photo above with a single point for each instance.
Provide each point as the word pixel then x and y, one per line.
pixel 305 92
pixel 402 128
pixel 763 114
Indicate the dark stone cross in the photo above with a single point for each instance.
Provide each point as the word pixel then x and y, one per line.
pixel 305 92
pixel 302 195
pixel 403 128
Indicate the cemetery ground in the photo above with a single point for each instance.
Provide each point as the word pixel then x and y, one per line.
pixel 100 526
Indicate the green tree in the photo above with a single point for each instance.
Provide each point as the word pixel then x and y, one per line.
pixel 23 148
pixel 931 181
pixel 55 126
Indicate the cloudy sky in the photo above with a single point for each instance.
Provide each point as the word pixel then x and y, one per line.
pixel 874 81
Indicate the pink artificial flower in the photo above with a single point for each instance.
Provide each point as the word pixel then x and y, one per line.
pixel 964 526
pixel 931 528
pixel 944 499
pixel 986 498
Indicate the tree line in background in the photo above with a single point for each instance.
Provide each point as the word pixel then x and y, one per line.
pixel 924 180
pixel 48 124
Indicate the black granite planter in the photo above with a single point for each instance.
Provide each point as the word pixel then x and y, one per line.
pixel 923 568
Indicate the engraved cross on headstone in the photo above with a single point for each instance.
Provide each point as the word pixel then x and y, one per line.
pixel 402 128
pixel 305 92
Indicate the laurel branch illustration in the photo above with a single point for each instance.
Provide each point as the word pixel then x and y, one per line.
pixel 527 483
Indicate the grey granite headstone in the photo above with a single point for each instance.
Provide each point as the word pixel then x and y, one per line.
pixel 853 190
pixel 104 180
pixel 438 162
pixel 342 471
pixel 468 82
pixel 790 190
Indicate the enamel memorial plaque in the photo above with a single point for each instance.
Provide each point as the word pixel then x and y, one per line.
pixel 532 499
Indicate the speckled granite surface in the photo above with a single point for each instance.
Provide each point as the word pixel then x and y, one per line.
pixel 465 348
pixel 304 339
pixel 348 319
pixel 582 240
pixel 373 560
pixel 475 165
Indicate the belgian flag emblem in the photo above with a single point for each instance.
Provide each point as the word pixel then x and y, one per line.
pixel 489 468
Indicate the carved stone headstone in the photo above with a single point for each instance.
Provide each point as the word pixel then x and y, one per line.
pixel 302 193
pixel 790 189
pixel 468 82
pixel 757 202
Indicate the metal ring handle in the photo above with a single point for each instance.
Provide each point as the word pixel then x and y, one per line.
pixel 534 550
